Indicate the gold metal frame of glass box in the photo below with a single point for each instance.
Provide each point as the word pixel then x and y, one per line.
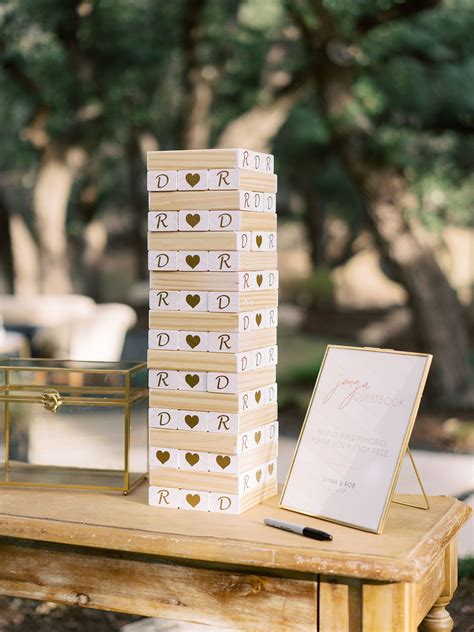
pixel 51 399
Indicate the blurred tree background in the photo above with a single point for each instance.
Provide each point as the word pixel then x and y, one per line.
pixel 368 106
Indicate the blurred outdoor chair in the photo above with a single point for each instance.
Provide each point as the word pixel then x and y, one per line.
pixel 68 326
pixel 13 344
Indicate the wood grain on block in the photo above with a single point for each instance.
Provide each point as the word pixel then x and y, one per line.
pixel 190 421
pixel 219 240
pixel 193 179
pixel 211 361
pixel 213 402
pixel 163 456
pixel 239 200
pixel 193 460
pixel 163 379
pixel 228 179
pixel 193 341
pixel 192 301
pixel 209 321
pixel 197 439
pixel 163 221
pixel 162 260
pixel 209 159
pixel 226 382
pixel 163 497
pixel 232 342
pixel 235 261
pixel 161 339
pixel 162 181
pixel 196 260
pixel 226 220
pixel 163 418
pixel 261 241
pixel 269 203
pixel 164 299
pixel 192 500
pixel 193 220
pixel 195 381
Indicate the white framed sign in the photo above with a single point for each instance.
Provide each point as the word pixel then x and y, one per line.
pixel 355 435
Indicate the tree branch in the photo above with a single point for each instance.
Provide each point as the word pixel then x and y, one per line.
pixel 394 13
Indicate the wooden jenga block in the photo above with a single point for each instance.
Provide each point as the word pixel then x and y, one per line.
pixel 163 339
pixel 193 180
pixel 190 500
pixel 213 402
pixel 164 221
pixel 210 159
pixel 223 240
pixel 195 221
pixel 239 200
pixel 202 260
pixel 261 241
pixel 162 180
pixel 254 320
pixel 163 260
pixel 193 260
pixel 164 300
pixel 170 419
pixel 215 281
pixel 158 358
pixel 227 220
pixel 193 301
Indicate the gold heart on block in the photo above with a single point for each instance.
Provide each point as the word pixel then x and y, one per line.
pixel 223 461
pixel 193 260
pixel 259 280
pixel 192 458
pixel 193 341
pixel 192 179
pixel 193 499
pixel 192 380
pixel 193 300
pixel 258 319
pixel 193 219
pixel 258 475
pixel 162 456
pixel 191 420
pixel 258 239
pixel 270 469
pixel 258 396
pixel 258 436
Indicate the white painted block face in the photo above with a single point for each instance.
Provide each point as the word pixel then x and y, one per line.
pixel 246 321
pixel 271 470
pixel 224 261
pixel 223 422
pixel 222 382
pixel 192 341
pixel 163 497
pixel 223 179
pixel 192 180
pixel 192 380
pixel 193 301
pixel 269 202
pixel 163 457
pixel 267 163
pixel 195 260
pixel 196 461
pixel 257 437
pixel 247 281
pixel 244 361
pixel 162 180
pixel 251 479
pixel 258 320
pixel 271 432
pixel 272 355
pixel 245 442
pixel 225 342
pixel 163 260
pixel 192 420
pixel 164 300
pixel 166 418
pixel 167 380
pixel 244 240
pixel 271 317
pixel 193 221
pixel 193 500
pixel 258 359
pixel 271 280
pixel 224 503
pixel 163 221
pixel 245 159
pixel 223 302
pixel 165 339
pixel 264 241
pixel 224 463
pixel 224 220
pixel 251 200
pixel 270 393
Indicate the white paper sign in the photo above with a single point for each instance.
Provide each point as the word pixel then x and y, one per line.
pixel 355 435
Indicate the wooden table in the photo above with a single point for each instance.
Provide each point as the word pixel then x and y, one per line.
pixel 113 552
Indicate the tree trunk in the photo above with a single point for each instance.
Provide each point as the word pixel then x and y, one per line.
pixel 6 259
pixel 138 203
pixel 50 201
pixel 26 260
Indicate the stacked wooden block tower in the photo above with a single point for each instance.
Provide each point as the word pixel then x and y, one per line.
pixel 212 339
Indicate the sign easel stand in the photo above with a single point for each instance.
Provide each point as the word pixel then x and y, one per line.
pixel 400 502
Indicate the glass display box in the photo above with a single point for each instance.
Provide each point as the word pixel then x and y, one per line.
pixel 70 424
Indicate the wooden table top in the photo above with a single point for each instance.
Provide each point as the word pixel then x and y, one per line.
pixel 410 542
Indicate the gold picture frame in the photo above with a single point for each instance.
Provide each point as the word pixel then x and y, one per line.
pixel 401 448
